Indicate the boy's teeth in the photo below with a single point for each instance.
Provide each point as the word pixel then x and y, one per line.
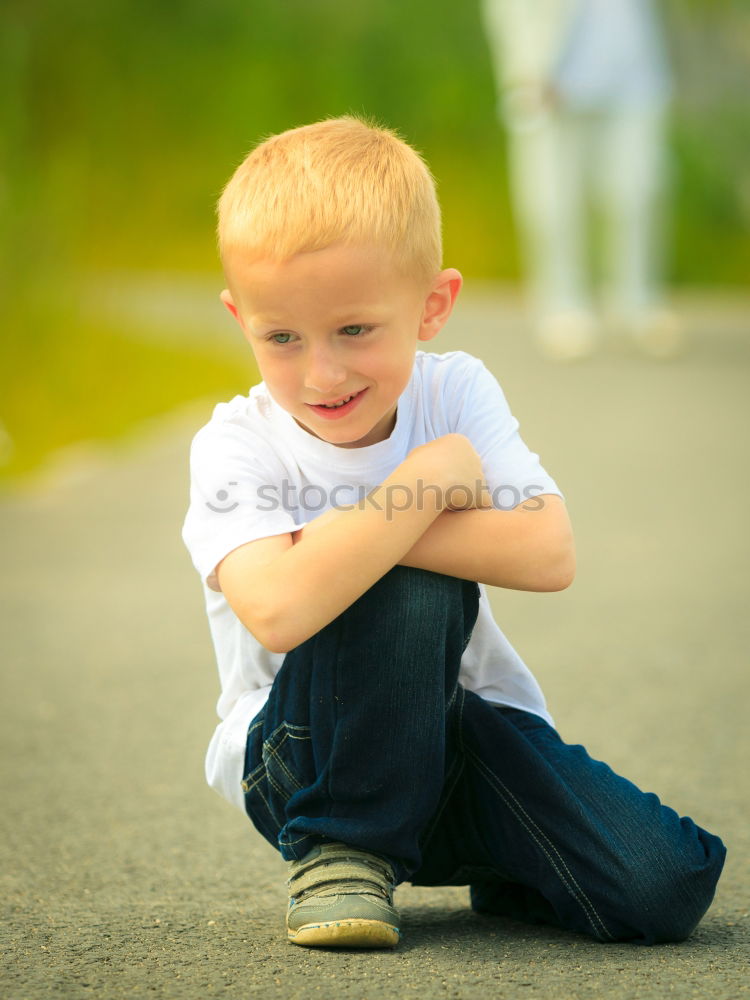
pixel 341 402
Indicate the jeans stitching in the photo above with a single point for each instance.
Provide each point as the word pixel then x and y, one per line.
pixel 255 785
pixel 461 695
pixel 256 725
pixel 278 788
pixel 273 753
pixel 297 840
pixel 253 778
pixel 271 750
pixel 546 845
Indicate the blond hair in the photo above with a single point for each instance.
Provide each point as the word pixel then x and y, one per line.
pixel 339 180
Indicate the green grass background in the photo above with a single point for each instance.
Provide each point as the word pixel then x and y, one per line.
pixel 120 122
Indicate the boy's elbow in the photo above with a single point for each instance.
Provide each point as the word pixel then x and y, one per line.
pixel 561 580
pixel 561 571
pixel 275 643
pixel 560 567
pixel 273 631
pixel 273 634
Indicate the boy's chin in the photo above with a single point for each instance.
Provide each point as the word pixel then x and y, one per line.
pixel 341 438
pixel 322 434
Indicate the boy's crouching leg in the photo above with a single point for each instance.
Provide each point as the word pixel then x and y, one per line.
pixel 650 886
pixel 665 881
pixel 657 899
pixel 350 747
pixel 565 840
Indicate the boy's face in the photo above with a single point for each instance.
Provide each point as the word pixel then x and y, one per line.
pixel 334 333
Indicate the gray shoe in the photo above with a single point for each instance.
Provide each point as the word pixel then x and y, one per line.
pixel 341 897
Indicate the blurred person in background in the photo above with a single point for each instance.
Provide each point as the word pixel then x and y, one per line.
pixel 584 89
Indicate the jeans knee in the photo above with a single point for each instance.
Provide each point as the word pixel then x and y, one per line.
pixel 416 595
pixel 662 900
pixel 411 581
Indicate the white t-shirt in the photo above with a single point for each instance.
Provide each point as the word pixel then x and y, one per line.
pixel 255 473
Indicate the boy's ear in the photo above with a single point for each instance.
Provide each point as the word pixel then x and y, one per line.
pixel 226 298
pixel 439 302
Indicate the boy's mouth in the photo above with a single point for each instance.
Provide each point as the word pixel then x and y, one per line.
pixel 338 407
pixel 341 402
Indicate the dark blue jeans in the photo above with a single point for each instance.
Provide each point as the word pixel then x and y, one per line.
pixel 367 738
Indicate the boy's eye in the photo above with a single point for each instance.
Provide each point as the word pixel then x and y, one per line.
pixel 354 330
pixel 281 338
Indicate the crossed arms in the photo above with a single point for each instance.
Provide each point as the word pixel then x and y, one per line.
pixel 287 587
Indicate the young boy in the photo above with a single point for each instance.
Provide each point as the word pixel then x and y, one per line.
pixel 377 726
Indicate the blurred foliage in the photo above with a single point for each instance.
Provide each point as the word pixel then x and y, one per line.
pixel 121 121
pixel 94 381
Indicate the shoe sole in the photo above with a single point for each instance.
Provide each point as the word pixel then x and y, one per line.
pixel 346 934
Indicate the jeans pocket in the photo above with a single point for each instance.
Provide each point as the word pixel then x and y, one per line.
pixel 276 768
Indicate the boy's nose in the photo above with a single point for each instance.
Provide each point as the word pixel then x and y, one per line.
pixel 324 373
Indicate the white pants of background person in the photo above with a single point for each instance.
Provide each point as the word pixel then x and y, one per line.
pixel 584 89
pixel 575 173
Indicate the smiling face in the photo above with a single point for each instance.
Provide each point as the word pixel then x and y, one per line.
pixel 334 333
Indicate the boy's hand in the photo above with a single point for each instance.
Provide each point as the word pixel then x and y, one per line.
pixel 452 466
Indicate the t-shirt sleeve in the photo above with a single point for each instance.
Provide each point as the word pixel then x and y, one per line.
pixel 514 474
pixel 233 496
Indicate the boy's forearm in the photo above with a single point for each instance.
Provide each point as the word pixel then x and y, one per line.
pixel 520 549
pixel 335 561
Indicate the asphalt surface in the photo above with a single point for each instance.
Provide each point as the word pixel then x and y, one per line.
pixel 123 875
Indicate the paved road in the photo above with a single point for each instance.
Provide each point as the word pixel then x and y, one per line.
pixel 122 875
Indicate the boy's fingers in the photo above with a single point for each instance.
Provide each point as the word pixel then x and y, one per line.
pixel 463 498
pixel 484 499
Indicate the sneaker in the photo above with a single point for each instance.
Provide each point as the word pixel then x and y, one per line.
pixel 341 897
